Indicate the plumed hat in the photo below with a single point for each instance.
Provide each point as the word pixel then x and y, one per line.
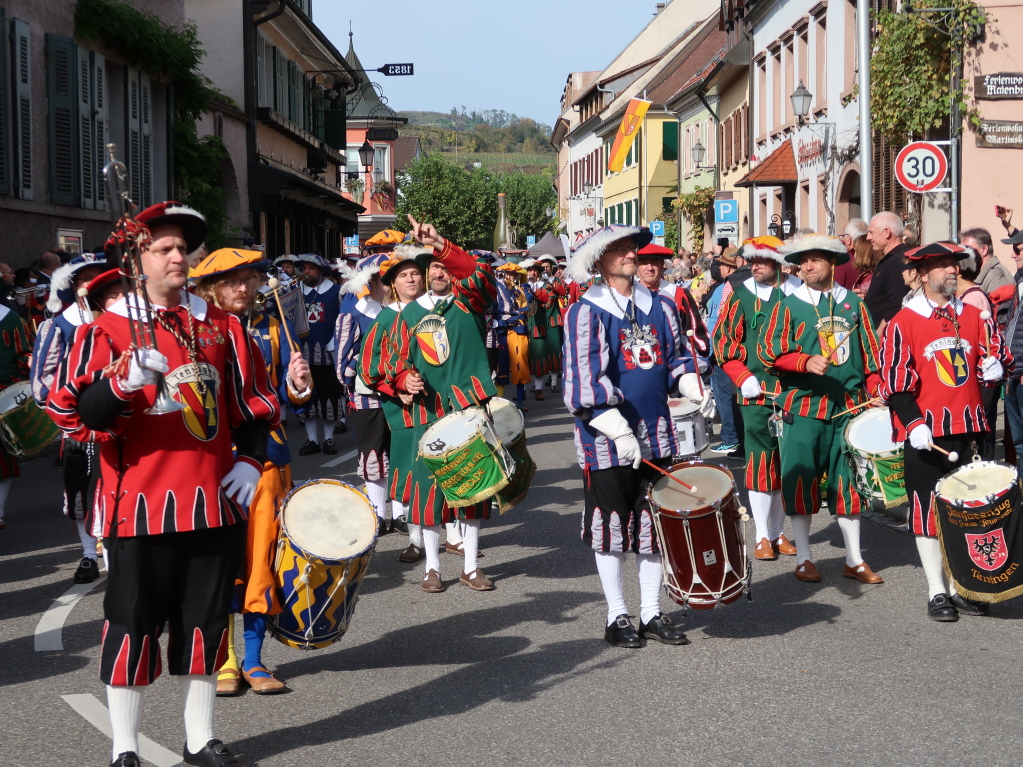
pixel 63 278
pixel 191 221
pixel 768 246
pixel 589 250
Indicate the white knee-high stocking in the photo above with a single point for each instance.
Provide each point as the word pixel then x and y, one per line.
pixel 125 704
pixel 88 542
pixel 776 519
pixel 376 491
pixel 850 527
pixel 453 532
pixel 760 505
pixel 431 547
pixel 611 568
pixel 198 693
pixel 801 536
pixel 648 567
pixel 470 544
pixel 929 549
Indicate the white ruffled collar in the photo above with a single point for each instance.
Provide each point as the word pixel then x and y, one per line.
pixel 813 297
pixel 788 286
pixel 368 306
pixel 600 296
pixel 322 288
pixel 196 305
pixel 922 306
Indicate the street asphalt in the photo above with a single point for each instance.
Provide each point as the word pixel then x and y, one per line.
pixel 837 673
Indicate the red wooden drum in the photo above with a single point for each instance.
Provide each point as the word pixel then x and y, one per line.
pixel 703 543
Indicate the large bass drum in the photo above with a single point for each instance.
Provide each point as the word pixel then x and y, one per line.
pixel 511 430
pixel 328 531
pixel 880 464
pixel 702 536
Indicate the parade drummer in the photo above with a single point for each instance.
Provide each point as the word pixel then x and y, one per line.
pixel 555 317
pixel 937 356
pixel 171 493
pixel 16 339
pixel 70 311
pixel 372 434
pixel 737 338
pixel 624 355
pixel 450 315
pixel 513 302
pixel 820 343
pixel 542 301
pixel 228 278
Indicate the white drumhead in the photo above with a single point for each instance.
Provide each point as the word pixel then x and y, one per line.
pixel 977 480
pixel 508 420
pixel 871 432
pixel 711 483
pixel 682 408
pixel 330 519
pixel 14 396
pixel 451 431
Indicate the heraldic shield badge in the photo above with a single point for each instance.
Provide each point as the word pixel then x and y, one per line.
pixel 833 332
pixel 201 414
pixel 432 338
pixel 977 508
pixel 949 356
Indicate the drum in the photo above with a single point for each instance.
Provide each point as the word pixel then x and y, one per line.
pixel 328 531
pixel 511 430
pixel 25 428
pixel 879 462
pixel 702 536
pixel 690 427
pixel 981 529
pixel 466 457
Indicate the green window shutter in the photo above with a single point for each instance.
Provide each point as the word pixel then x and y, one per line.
pixel 88 180
pixel 102 125
pixel 61 92
pixel 318 110
pixel 294 93
pixel 260 80
pixel 133 141
pixel 5 116
pixel 280 91
pixel 669 139
pixel 22 148
pixel 666 204
pixel 146 160
pixel 620 213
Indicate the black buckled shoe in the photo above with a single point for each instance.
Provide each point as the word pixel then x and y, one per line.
pixel 966 606
pixel 622 633
pixel 309 448
pixel 399 525
pixel 662 629
pixel 340 427
pixel 329 448
pixel 127 759
pixel 940 608
pixel 381 527
pixel 213 754
pixel 87 571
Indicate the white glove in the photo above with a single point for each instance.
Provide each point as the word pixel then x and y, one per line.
pixel 240 483
pixel 707 406
pixel 689 387
pixel 143 369
pixel 751 388
pixel 612 424
pixel 991 369
pixel 920 437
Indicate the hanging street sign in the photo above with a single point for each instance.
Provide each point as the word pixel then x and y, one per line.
pixel 921 166
pixel 382 134
pixel 397 70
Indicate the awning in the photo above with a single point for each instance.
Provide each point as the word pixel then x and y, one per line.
pixel 779 169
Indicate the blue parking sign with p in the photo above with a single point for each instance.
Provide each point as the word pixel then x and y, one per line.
pixel 726 211
pixel 657 228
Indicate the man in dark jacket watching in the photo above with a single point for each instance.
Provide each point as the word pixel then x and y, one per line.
pixel 887 289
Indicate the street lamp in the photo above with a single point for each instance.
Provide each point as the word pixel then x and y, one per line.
pixel 366 153
pixel 801 99
pixel 587 188
pixel 699 151
pixel 549 211
pixel 782 225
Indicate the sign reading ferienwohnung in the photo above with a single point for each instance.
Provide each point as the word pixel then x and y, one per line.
pixel 1001 134
pixel 1001 85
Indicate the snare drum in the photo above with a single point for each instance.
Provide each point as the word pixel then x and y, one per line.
pixel 328 531
pixel 467 459
pixel 880 464
pixel 25 428
pixel 511 430
pixel 702 536
pixel 977 507
pixel 690 427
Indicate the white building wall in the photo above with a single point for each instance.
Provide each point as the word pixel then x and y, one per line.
pixel 578 218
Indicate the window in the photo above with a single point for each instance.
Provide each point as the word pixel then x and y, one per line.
pixel 820 66
pixel 354 164
pixel 381 165
pixel 139 108
pixel 5 118
pixel 775 99
pixel 803 58
pixel 851 53
pixel 669 141
pixel 789 81
pixel 804 204
pixel 22 60
pixel 265 61
pixel 61 92
pixel 762 100
pixel 94 127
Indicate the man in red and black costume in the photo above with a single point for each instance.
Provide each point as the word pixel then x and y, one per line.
pixel 937 355
pixel 171 495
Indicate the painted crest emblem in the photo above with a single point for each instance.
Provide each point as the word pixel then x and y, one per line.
pixel 315 312
pixel 832 333
pixel 988 550
pixel 950 359
pixel 641 348
pixel 432 338
pixel 201 413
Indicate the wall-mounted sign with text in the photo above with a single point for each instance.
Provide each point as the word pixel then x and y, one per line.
pixel 1001 134
pixel 1001 85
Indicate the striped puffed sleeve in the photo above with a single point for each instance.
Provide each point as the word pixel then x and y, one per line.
pixel 586 356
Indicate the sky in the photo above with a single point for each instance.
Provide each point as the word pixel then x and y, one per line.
pixel 485 54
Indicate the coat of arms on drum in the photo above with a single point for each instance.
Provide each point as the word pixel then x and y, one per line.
pixel 988 550
pixel 432 337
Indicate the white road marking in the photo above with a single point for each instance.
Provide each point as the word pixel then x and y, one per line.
pixel 49 630
pixel 96 714
pixel 340 460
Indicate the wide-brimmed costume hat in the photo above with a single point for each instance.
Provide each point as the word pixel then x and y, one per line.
pixel 508 266
pixel 95 286
pixel 547 258
pixel 359 277
pixel 655 251
pixel 918 257
pixel 766 247
pixel 286 259
pixel 226 260
pixel 589 250
pixel 402 255
pixel 820 244
pixel 63 278
pixel 385 240
pixel 315 260
pixel 191 221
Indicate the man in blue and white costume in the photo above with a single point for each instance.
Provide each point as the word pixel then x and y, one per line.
pixel 322 304
pixel 624 354
pixel 53 340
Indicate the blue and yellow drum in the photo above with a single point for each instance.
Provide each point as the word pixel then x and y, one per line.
pixel 328 533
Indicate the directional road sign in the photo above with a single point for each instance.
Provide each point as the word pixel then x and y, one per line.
pixel 921 166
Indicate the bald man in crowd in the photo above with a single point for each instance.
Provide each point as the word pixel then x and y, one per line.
pixel 887 288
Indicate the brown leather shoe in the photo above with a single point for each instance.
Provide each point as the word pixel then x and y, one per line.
pixel 783 546
pixel 862 573
pixel 452 549
pixel 764 550
pixel 807 573
pixel 263 685
pixel 412 554
pixel 228 684
pixel 478 581
pixel 432 583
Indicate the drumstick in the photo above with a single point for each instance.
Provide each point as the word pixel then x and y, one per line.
pixel 857 407
pixel 669 475
pixel 953 456
pixel 986 315
pixel 699 380
pixel 834 351
pixel 766 393
pixel 273 283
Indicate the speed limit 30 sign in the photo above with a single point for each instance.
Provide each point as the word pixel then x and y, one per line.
pixel 921 166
